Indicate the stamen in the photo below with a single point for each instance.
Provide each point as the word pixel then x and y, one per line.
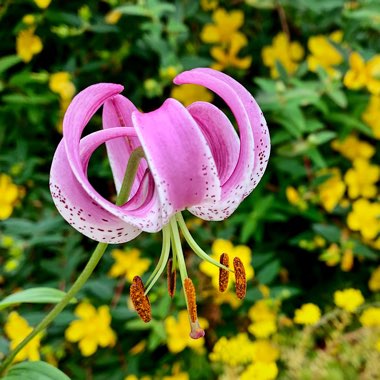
pixel 240 279
pixel 188 287
pixel 223 274
pixel 140 300
pixel 172 277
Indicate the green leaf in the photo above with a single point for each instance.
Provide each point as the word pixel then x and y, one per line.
pixel 350 122
pixel 269 272
pixel 321 137
pixel 284 292
pixel 133 10
pixel 337 96
pixel 8 61
pixel 364 251
pixel 316 158
pixel 329 232
pixel 35 371
pixel 33 295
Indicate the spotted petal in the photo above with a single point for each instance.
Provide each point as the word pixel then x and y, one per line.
pixel 179 157
pixel 254 140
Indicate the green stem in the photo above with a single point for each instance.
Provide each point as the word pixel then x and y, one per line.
pixel 162 261
pixel 122 197
pixel 195 247
pixel 94 259
pixel 129 176
pixel 177 250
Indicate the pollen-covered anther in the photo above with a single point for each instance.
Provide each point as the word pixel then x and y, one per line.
pixel 191 299
pixel 223 273
pixel 172 277
pixel 140 300
pixel 240 278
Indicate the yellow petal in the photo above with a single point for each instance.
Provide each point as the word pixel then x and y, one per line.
pixel 75 331
pixel 85 311
pixel 88 346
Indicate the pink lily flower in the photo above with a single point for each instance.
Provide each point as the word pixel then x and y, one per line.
pixel 194 160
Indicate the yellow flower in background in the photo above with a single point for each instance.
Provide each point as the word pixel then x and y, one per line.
pixel 348 299
pixel 347 260
pixel 9 193
pixel 294 198
pixel 29 19
pixel 61 84
pixel 92 329
pixel 209 5
pixel 225 246
pixel 370 317
pixel 371 115
pixel 324 54
pixel 263 315
pixel 218 298
pixel 113 17
pixel 353 148
pixel 177 374
pixel 169 72
pixel 260 371
pixel 227 57
pixel 128 263
pixel 43 4
pixel 363 74
pixel 190 93
pixel 224 28
pixel 28 44
pixel 16 328
pixel 374 281
pixel 264 351
pixel 373 75
pixel 331 255
pixel 308 314
pixel 365 218
pixel 233 352
pixel 177 331
pixel 355 77
pixel 361 179
pixel 331 191
pixel 285 52
pixel 134 377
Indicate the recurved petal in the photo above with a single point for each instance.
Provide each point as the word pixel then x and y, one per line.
pixel 80 210
pixel 117 112
pixel 254 140
pixel 179 158
pixel 220 135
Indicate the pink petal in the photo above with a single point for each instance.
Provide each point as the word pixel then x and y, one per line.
pixel 181 162
pixel 75 205
pixel 220 135
pixel 254 140
pixel 138 212
pixel 117 112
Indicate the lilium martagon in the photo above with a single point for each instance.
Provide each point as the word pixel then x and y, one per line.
pixel 163 162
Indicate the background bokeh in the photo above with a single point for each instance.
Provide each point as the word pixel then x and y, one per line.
pixel 308 234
